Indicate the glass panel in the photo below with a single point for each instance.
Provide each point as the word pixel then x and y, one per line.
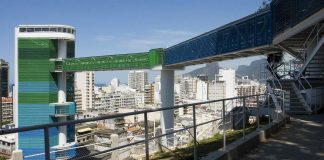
pixel 22 29
pixel 45 29
pixel 64 29
pixel 59 29
pixel 38 29
pixel 53 29
pixel 30 29
pixel 69 30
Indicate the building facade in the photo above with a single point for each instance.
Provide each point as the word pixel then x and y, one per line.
pixel 137 80
pixel 7 110
pixel 4 78
pixel 84 81
pixel 43 92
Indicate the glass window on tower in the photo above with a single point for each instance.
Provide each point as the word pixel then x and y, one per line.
pixel 22 29
pixel 38 29
pixel 53 29
pixel 30 29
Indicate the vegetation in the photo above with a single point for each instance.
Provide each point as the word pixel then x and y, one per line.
pixel 205 146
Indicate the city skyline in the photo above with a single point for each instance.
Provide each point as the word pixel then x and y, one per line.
pixel 98 36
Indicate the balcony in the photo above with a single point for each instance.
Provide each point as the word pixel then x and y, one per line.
pixel 63 109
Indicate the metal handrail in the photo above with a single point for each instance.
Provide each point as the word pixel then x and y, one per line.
pixel 304 88
pixel 273 75
pixel 57 124
pixel 46 127
pixel 316 36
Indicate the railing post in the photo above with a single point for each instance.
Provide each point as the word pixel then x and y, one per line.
pixel 315 100
pixel 195 131
pixel 224 131
pixel 47 144
pixel 147 148
pixel 283 107
pixel 269 109
pixel 258 112
pixel 244 117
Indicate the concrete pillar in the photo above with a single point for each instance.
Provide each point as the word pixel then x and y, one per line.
pixel 61 78
pixel 62 52
pixel 62 131
pixel 167 100
pixel 62 87
pixel 114 143
pixel 62 48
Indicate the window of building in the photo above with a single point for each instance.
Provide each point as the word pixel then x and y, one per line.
pixel 59 29
pixel 22 29
pixel 64 29
pixel 38 29
pixel 30 29
pixel 45 29
pixel 53 29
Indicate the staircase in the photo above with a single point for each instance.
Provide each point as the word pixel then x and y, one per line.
pixel 294 99
pixel 296 102
pixel 315 68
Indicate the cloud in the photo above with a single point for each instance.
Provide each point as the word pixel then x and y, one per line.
pixel 103 38
pixel 158 38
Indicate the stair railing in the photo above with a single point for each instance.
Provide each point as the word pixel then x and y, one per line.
pixel 276 84
pixel 301 86
pixel 313 39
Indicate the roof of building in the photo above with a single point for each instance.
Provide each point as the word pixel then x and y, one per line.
pixel 9 138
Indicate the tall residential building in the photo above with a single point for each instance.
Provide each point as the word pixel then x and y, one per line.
pixel 7 110
pixel 4 78
pixel 137 80
pixel 115 82
pixel 45 91
pixel 84 82
pixel 149 94
pixel 228 76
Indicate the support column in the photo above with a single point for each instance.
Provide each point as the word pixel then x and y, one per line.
pixel 61 78
pixel 62 132
pixel 61 87
pixel 167 100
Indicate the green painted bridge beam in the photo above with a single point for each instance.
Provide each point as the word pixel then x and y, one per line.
pixel 144 60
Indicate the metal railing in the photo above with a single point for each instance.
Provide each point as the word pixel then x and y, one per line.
pixel 247 101
pixel 301 86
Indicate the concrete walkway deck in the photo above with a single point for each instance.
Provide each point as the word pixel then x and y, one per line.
pixel 302 139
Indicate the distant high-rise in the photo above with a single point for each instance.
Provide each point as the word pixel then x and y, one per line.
pixel 84 82
pixel 4 78
pixel 137 80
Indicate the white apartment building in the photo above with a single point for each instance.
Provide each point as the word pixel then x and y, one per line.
pixel 188 87
pixel 111 102
pixel 228 76
pixel 137 80
pixel 78 100
pixel 84 81
pixel 115 83
pixel 7 145
pixel 247 87
pixel 216 90
pixel 202 90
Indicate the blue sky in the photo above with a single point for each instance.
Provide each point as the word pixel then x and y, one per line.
pixel 122 26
